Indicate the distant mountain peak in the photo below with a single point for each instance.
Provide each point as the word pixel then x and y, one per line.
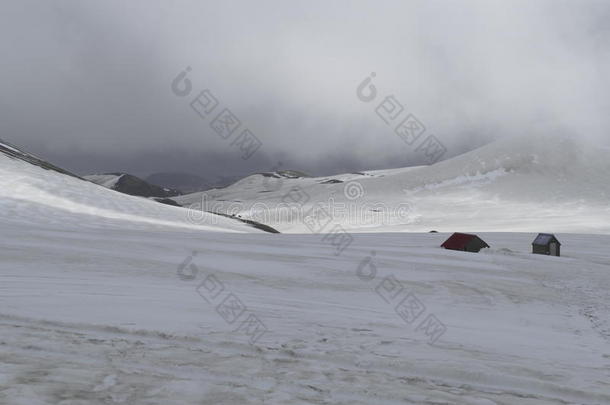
pixel 132 185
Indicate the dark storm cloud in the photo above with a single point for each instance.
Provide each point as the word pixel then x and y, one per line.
pixel 87 84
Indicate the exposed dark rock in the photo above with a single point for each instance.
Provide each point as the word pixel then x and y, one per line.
pixel 287 174
pixel 254 224
pixel 133 185
pixel 167 201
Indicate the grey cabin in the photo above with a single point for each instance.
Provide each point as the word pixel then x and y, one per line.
pixel 546 244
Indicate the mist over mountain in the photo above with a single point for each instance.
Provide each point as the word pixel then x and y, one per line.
pixel 91 90
pixel 185 182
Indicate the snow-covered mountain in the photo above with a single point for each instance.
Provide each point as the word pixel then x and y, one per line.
pixel 526 184
pixel 189 183
pixel 14 152
pixel 37 192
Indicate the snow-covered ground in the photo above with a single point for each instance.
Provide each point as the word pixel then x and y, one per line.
pixel 101 317
pixel 112 299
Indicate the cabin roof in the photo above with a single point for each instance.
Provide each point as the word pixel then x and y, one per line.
pixel 460 241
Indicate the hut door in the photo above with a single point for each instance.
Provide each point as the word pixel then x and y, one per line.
pixel 553 248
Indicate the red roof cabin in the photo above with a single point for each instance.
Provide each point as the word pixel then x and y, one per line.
pixel 465 242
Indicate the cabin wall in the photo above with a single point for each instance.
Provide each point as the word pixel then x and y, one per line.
pixel 558 250
pixel 540 250
pixel 475 246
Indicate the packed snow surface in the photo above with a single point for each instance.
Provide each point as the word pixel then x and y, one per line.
pixel 100 316
pixel 112 299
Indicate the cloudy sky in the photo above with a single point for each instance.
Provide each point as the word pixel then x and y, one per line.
pixel 88 84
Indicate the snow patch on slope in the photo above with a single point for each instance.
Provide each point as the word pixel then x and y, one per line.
pixel 104 180
pixel 477 179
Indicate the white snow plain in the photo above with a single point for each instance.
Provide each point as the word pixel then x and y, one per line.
pixel 112 299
